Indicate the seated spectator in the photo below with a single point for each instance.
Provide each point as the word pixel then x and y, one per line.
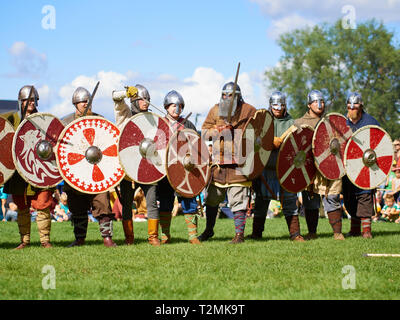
pixel 391 210
pixel 141 207
pixel 61 210
pixel 274 209
pixel 3 198
pixel 12 212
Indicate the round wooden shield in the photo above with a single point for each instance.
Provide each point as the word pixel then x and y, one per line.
pixel 328 145
pixel 7 167
pixel 258 138
pixel 142 147
pixel 87 155
pixel 188 163
pixel 33 150
pixel 295 165
pixel 368 157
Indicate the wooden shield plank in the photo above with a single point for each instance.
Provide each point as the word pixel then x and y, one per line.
pixel 295 165
pixel 87 155
pixel 329 142
pixel 188 163
pixel 38 129
pixel 142 147
pixel 368 157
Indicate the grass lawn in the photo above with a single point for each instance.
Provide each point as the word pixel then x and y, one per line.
pixel 273 268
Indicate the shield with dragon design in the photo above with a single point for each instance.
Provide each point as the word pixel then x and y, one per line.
pixel 87 155
pixel 295 165
pixel 142 147
pixel 188 163
pixel 7 167
pixel 33 149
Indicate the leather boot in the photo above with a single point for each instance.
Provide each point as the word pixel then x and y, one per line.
pixel 77 243
pixel 165 223
pixel 355 227
pixel 128 231
pixel 239 238
pixel 152 225
pixel 258 227
pixel 312 216
pixel 106 230
pixel 335 220
pixel 22 245
pixel 294 228
pixel 211 217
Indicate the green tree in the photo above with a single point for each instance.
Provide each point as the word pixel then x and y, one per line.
pixel 336 61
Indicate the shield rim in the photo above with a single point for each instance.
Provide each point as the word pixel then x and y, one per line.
pixel 348 143
pixel 263 110
pixel 209 161
pixel 140 114
pixel 313 143
pixel 13 152
pixel 281 147
pixel 13 130
pixel 58 162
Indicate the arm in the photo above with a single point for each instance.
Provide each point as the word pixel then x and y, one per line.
pixel 122 112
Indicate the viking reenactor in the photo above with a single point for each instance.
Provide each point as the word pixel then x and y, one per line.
pixel 139 102
pixel 358 202
pixel 267 187
pixel 226 117
pixel 329 189
pixel 174 105
pixel 25 195
pixel 81 203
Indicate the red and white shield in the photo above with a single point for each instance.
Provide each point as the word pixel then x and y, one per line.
pixel 368 157
pixel 295 165
pixel 329 141
pixel 33 149
pixel 258 141
pixel 188 163
pixel 7 167
pixel 87 155
pixel 142 147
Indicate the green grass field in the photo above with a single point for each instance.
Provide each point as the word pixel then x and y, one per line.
pixel 273 268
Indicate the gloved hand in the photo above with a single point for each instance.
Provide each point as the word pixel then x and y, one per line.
pixel 221 128
pixel 131 92
pixel 277 142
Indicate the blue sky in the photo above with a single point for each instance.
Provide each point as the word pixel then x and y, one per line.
pixel 190 46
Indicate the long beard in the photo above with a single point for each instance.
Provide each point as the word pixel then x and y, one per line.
pixel 224 107
pixel 354 114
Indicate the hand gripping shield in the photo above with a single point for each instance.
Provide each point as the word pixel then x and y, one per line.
pixel 33 150
pixel 328 145
pixel 188 163
pixel 7 167
pixel 295 165
pixel 257 143
pixel 87 155
pixel 368 157
pixel 142 147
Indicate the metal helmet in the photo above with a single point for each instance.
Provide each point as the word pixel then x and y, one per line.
pixel 80 95
pixel 228 88
pixel 142 94
pixel 353 98
pixel 24 93
pixel 174 97
pixel 277 100
pixel 315 95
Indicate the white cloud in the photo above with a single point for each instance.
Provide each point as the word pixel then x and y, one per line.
pixel 200 91
pixel 27 61
pixel 288 14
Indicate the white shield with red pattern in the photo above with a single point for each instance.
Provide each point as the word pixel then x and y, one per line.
pixel 87 155
pixel 329 142
pixel 368 157
pixel 33 149
pixel 142 147
pixel 295 165
pixel 7 167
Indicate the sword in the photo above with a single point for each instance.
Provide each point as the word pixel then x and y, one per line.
pixel 91 99
pixel 233 96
